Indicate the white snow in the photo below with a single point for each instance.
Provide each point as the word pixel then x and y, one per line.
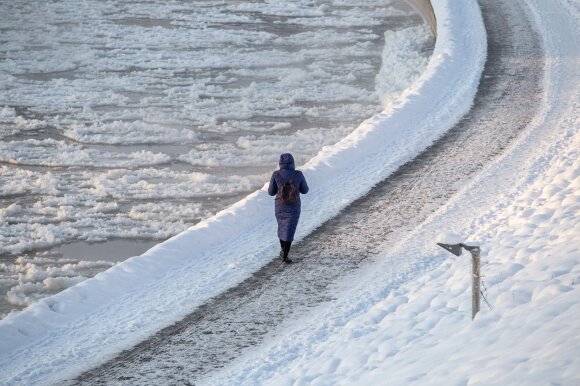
pixel 421 333
pixel 413 331
pixel 449 238
pixel 392 75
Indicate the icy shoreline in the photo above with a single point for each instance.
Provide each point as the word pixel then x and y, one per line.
pixel 159 150
pixel 139 296
pixel 188 106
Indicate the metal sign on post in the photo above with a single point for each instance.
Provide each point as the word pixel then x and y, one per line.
pixel 456 249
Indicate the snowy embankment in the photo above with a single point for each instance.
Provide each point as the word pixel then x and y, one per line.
pixel 524 211
pixel 421 332
pixel 133 299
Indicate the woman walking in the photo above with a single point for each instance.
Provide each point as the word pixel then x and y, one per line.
pixel 287 184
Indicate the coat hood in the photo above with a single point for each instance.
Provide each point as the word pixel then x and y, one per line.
pixel 286 161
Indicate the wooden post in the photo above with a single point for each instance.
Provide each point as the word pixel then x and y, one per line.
pixel 475 287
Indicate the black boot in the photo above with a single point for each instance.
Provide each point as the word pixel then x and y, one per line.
pixel 286 250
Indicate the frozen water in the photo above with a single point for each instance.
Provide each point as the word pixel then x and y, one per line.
pixel 134 120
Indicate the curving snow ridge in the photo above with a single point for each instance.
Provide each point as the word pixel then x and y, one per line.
pixel 133 299
pixel 524 213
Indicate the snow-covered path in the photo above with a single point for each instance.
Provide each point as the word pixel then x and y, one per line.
pixel 524 209
pixel 510 93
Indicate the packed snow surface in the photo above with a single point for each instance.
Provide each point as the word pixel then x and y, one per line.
pixel 136 120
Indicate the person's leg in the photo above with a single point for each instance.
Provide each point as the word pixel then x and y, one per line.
pixel 286 249
pixel 282 244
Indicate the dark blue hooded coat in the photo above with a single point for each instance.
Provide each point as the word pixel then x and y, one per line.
pixel 287 215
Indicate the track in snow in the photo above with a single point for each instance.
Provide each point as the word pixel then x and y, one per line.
pixel 218 332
